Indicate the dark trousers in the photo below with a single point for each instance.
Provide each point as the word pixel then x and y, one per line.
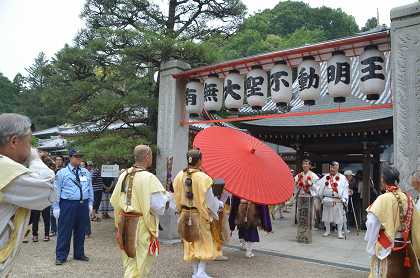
pixel 74 219
pixel 97 198
pixel 35 215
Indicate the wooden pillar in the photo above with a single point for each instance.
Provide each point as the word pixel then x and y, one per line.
pixel 299 158
pixel 366 181
pixel 377 169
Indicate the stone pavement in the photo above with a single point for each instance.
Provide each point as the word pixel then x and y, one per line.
pixel 36 260
pixel 325 250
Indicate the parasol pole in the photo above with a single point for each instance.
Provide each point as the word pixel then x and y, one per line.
pixel 169 163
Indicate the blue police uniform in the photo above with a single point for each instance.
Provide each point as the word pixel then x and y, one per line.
pixel 75 196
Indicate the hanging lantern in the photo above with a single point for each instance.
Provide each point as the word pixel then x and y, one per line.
pixel 372 72
pixel 194 97
pixel 308 77
pixel 213 93
pixel 281 84
pixel 234 91
pixel 338 76
pixel 256 87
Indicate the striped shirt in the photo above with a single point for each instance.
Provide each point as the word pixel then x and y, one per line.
pixel 97 181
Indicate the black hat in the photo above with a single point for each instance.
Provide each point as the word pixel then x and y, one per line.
pixel 333 163
pixel 74 152
pixel 193 156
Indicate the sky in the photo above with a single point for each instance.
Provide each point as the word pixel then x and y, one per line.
pixel 28 27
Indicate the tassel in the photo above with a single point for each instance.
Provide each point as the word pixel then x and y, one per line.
pixel 407 263
pixel 154 247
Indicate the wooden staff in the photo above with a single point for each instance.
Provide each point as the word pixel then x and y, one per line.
pixel 169 163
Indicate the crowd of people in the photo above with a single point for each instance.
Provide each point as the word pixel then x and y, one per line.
pixel 101 187
pixel 333 201
pixel 31 180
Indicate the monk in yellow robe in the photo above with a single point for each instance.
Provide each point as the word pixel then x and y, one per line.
pixel 25 183
pixel 393 231
pixel 198 207
pixel 138 200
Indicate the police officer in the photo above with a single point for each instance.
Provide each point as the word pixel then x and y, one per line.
pixel 75 203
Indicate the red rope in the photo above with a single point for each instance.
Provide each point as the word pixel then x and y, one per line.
pixel 293 114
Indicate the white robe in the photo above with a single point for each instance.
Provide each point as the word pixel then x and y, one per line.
pixel 333 210
pixel 313 190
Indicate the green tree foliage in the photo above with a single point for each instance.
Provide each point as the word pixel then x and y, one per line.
pixel 289 24
pixel 289 16
pixel 110 147
pixel 8 95
pixel 20 83
pixel 107 75
pixel 37 73
pixel 370 24
pixel 249 42
pixel 32 91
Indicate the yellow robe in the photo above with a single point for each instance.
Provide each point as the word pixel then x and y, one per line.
pixel 386 209
pixel 10 170
pixel 144 185
pixel 205 248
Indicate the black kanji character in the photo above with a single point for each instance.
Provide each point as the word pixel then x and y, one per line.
pixel 210 92
pixel 341 74
pixel 229 90
pixel 276 78
pixel 306 80
pixel 371 68
pixel 191 96
pixel 253 86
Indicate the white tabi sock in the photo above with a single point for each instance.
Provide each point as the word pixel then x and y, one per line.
pixel 201 268
pixel 249 246
pixel 195 267
pixel 327 228
pixel 340 230
pixel 242 244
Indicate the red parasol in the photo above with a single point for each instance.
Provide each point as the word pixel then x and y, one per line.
pixel 251 169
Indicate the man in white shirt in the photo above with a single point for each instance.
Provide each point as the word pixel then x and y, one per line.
pixel 334 193
pixel 21 188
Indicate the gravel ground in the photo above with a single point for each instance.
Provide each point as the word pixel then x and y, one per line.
pixel 37 260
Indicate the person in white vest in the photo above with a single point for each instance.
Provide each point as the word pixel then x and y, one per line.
pixel 334 193
pixel 25 184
